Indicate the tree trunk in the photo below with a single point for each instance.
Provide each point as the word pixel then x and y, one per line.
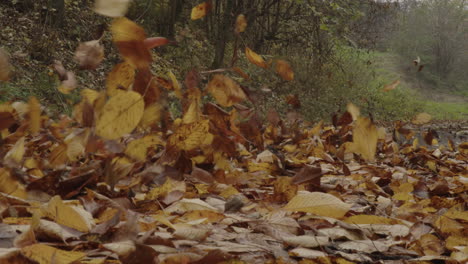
pixel 224 29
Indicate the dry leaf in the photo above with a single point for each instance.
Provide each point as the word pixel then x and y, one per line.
pixel 421 119
pixel 89 54
pixel 284 70
pixel 241 24
pixel 111 8
pixel 34 115
pixel 391 86
pixel 15 155
pixel 44 254
pixel 120 115
pixel 200 10
pixel 225 90
pixel 4 66
pixel 365 138
pixel 255 58
pixel 318 203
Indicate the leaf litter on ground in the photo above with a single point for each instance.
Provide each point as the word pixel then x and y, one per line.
pixel 122 182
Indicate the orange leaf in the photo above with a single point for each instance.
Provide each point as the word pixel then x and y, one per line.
pixel 391 86
pixel 241 24
pixel 284 70
pixel 255 58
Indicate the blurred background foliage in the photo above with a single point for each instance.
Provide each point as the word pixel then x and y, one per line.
pixel 341 51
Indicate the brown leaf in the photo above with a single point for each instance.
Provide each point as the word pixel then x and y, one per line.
pixel 4 66
pixel 391 86
pixel 284 70
pixel 89 54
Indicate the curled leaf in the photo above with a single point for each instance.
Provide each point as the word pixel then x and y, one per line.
pixel 255 58
pixel 225 90
pixel 284 70
pixel 241 24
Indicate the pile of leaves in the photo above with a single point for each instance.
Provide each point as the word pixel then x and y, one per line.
pixel 121 181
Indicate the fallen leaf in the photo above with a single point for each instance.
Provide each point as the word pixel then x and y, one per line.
pixel 318 203
pixel 44 254
pixel 421 119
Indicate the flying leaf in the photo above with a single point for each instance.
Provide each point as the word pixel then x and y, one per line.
pixel 4 66
pixel 44 254
pixel 241 24
pixel 34 115
pixel 120 115
pixel 225 90
pixel 284 70
pixel 15 155
pixel 89 54
pixel 121 77
pixel 111 8
pixel 421 119
pixel 318 203
pixel 391 86
pixel 417 61
pixel 175 85
pixel 365 136
pixel 129 39
pixel 151 116
pixel 7 116
pixel 68 84
pixel 155 42
pixel 200 10
pixel 255 58
pixel 353 110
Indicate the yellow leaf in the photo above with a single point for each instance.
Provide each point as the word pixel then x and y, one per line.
pixel 176 85
pixel 353 110
pixel 120 115
pixel 241 24
pixel 137 149
pixel 15 155
pixel 89 95
pixel 318 203
pixel 44 254
pixel 369 219
pixel 76 144
pixel 121 77
pixel 11 186
pixel 193 113
pixel 255 58
pixel 225 90
pixel 365 138
pixel 34 115
pixel 67 215
pixel 284 70
pixel 151 116
pixel 200 10
pixel 421 119
pixel 191 136
pixel 124 29
pixel 111 8
pixel 391 86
